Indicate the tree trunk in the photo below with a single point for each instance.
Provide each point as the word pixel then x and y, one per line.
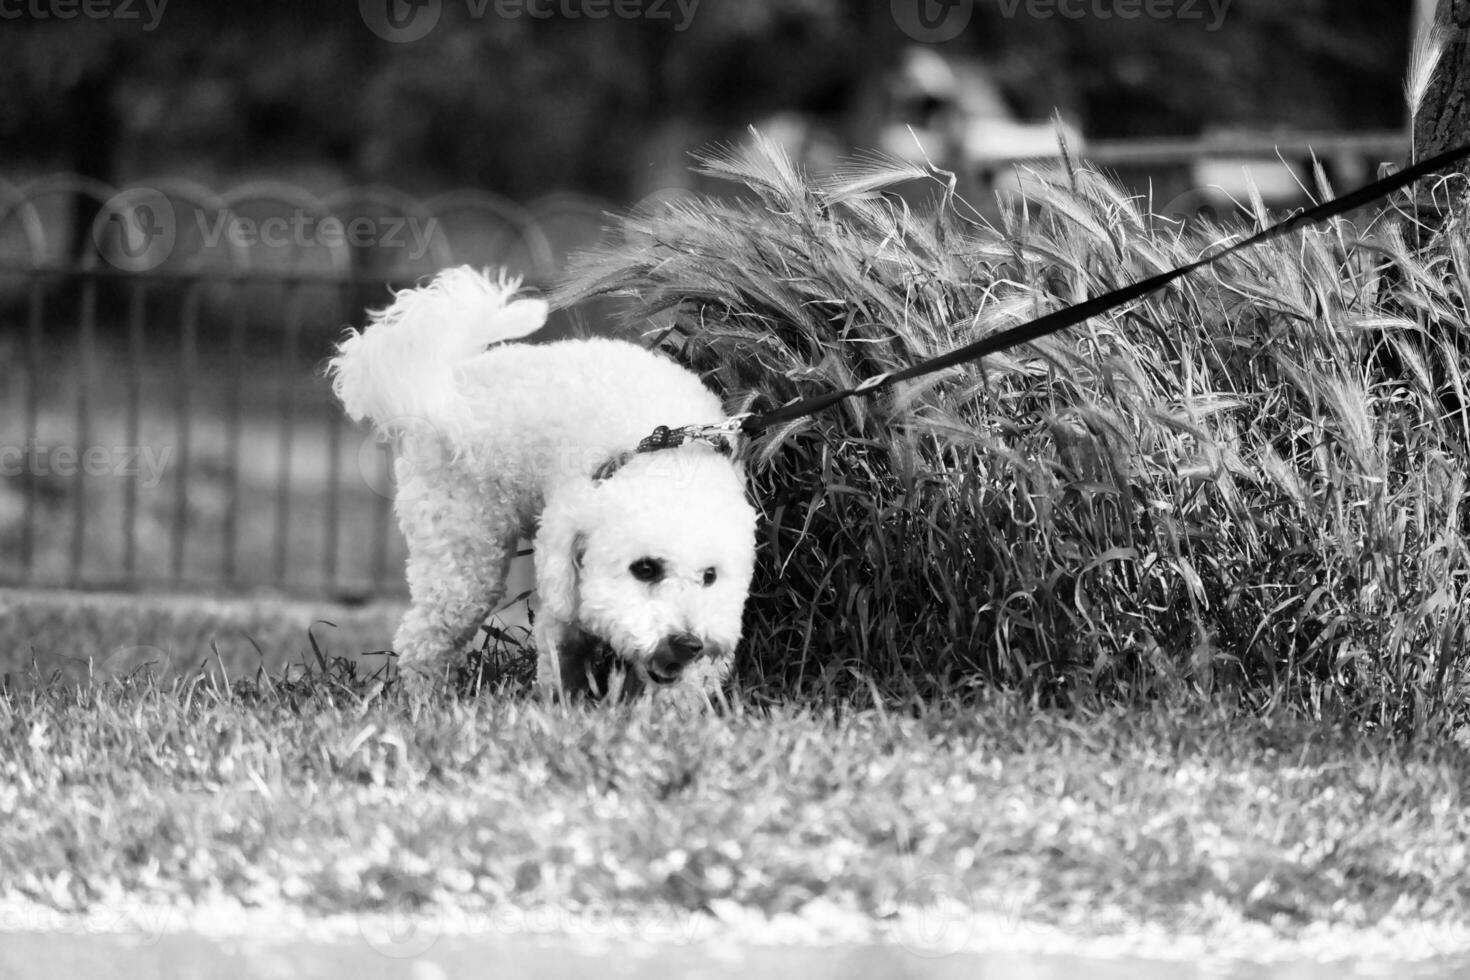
pixel 1443 120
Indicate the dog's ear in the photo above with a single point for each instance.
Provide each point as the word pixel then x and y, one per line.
pixel 559 545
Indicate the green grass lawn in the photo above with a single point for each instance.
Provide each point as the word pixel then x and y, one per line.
pixel 1214 545
pixel 323 791
pixel 65 637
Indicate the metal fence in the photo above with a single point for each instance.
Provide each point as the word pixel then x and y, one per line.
pixel 163 418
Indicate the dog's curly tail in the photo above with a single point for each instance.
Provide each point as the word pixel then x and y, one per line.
pixel 405 365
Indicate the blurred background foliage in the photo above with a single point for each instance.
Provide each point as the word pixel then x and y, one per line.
pixel 222 91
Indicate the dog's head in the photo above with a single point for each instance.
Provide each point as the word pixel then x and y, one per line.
pixel 655 560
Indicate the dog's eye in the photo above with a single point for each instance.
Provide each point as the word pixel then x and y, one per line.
pixel 647 569
pixel 709 576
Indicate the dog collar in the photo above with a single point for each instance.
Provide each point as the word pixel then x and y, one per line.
pixel 722 437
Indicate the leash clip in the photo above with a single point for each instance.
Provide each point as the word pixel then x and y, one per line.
pixel 720 436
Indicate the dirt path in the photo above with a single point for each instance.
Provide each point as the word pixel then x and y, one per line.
pixel 143 944
pixel 85 958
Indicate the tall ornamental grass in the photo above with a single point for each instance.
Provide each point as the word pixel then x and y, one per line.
pixel 1249 486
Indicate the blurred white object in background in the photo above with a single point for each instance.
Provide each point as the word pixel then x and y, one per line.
pixel 950 112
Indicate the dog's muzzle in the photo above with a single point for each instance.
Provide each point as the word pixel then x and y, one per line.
pixel 667 664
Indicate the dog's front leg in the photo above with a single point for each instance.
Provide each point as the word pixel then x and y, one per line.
pixel 456 576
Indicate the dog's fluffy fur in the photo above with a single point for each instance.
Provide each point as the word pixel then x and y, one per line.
pixel 499 440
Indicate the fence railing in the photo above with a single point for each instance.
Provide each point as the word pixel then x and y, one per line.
pixel 163 418
pixel 152 436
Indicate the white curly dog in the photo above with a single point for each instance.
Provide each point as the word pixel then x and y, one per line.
pixel 642 558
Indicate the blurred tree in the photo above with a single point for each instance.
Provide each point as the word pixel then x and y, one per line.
pixel 525 105
pixel 1443 117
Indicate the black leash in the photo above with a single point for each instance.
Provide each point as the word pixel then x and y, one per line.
pixel 755 423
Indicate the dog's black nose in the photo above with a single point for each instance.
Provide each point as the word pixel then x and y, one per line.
pixel 685 647
pixel 676 653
